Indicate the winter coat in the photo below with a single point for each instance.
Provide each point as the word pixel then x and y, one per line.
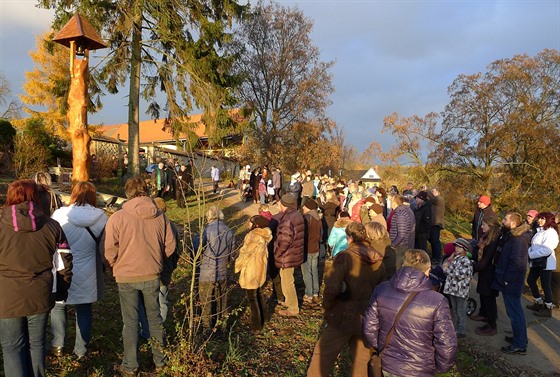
pixel 544 243
pixel 218 243
pixel 459 273
pixel 423 217
pixel 307 188
pixel 403 227
pixel 288 246
pixel 313 228
pixel 476 223
pixel 330 211
pixel 380 219
pixel 356 211
pixel 511 261
pixel 424 342
pixel 48 200
pixel 337 238
pixel 294 188
pixel 438 210
pixel 485 268
pixel 389 255
pixel 136 239
pixel 87 280
pixel 28 241
pixel 252 260
pixel 277 179
pixel 349 283
pixel 215 174
pixel 164 178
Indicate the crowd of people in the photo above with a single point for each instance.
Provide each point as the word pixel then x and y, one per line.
pixel 383 289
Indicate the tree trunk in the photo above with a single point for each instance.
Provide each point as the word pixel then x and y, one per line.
pixel 134 96
pixel 77 120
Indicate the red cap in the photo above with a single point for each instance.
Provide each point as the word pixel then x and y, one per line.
pixel 484 199
pixel 533 213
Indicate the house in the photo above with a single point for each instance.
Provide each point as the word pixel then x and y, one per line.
pixel 369 177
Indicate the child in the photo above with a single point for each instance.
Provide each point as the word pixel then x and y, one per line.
pixel 264 211
pixel 459 271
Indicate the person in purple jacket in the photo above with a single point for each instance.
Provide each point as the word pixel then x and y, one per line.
pixel 424 341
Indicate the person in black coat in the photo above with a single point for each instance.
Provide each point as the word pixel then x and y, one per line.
pixel 487 247
pixel 423 215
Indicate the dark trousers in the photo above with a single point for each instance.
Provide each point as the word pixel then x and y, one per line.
pixel 546 283
pixel 435 242
pixel 180 194
pixel 257 305
pixel 421 243
pixel 488 309
pixel 555 285
pixel 213 299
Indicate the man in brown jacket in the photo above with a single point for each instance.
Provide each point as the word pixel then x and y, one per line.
pixel 136 238
pixel 288 250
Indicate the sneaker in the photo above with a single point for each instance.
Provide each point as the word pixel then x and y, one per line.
pixel 123 372
pixel 477 317
pixel 307 298
pixel 511 350
pixel 486 330
pixel 535 306
pixel 286 313
pixel 544 312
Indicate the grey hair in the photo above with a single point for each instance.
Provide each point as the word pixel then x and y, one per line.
pixel 42 178
pixel 214 213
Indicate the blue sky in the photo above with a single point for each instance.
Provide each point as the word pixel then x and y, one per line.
pixel 391 56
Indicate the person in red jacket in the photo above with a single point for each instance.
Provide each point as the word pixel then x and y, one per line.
pixel 288 250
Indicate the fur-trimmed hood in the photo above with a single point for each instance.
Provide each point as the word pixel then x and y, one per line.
pixel 342 222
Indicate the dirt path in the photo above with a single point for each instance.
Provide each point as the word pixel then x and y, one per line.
pixel 543 352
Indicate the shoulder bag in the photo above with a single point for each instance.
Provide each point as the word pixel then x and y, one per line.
pixel 375 368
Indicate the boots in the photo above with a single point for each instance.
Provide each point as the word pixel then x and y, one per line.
pixel 537 305
pixel 546 311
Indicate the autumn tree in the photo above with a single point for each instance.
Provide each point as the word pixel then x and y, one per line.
pixel 171 46
pixel 285 83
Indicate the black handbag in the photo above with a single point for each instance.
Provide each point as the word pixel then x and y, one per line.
pixel 539 262
pixel 375 368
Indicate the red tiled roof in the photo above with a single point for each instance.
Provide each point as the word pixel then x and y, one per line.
pixel 152 130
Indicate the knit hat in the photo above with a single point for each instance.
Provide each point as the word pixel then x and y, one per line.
pixel 422 195
pixel 464 244
pixel 484 199
pixel 377 208
pixel 259 221
pixel 160 203
pixel 533 213
pixel 449 248
pixel 295 176
pixel 311 204
pixel 288 200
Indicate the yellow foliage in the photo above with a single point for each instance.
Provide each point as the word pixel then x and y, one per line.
pixel 46 85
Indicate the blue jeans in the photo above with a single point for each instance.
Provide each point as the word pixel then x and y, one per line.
pixel 515 313
pixel 83 327
pixel 129 294
pixel 459 313
pixel 23 345
pixel 310 273
pixel 163 309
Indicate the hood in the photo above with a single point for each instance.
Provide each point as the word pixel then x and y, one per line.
pixel 367 254
pixel 342 222
pixel 24 217
pixel 313 213
pixel 83 216
pixel 142 207
pixel 265 233
pixel 518 231
pixel 409 279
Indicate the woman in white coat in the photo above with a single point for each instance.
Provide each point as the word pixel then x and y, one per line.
pixel 87 280
pixel 542 246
